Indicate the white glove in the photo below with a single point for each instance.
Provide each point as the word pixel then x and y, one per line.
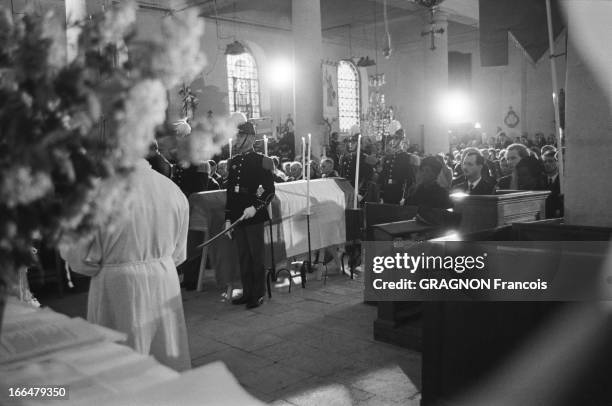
pixel 359 197
pixel 227 226
pixel 249 212
pixel 402 202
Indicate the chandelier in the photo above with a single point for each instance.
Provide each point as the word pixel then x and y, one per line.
pixel 378 118
pixel 377 80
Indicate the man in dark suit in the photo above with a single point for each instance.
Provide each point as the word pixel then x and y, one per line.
pixel 475 183
pixel 247 171
pixel 554 201
pixel 460 178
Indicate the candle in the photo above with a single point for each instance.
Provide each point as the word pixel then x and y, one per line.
pixel 308 178
pixel 265 145
pixel 303 157
pixel 309 154
pixel 230 148
pixel 357 171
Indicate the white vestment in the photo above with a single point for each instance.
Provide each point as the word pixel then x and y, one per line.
pixel 137 289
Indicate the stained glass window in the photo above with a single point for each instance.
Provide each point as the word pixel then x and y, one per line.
pixel 348 95
pixel 243 85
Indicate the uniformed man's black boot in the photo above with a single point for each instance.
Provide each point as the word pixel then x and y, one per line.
pixel 257 303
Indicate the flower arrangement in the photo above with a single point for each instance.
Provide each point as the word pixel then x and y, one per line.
pixel 72 132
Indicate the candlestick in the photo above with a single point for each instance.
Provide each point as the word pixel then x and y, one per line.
pixel 309 154
pixel 357 171
pixel 303 157
pixel 265 145
pixel 308 178
pixel 230 148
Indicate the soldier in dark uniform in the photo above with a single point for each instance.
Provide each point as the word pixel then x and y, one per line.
pixel 248 171
pixel 397 174
pixel 348 162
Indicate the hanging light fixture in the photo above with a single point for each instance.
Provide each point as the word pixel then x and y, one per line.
pixel 235 48
pixel 387 50
pixel 378 79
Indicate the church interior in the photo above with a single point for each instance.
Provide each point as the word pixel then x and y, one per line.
pixel 300 148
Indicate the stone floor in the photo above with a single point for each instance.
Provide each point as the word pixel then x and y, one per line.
pixel 312 346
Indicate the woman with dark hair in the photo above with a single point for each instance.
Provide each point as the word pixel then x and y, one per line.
pixel 530 174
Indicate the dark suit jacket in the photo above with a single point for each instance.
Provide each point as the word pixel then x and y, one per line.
pixel 190 180
pixel 554 201
pixel 484 187
pixel 432 196
pixel 160 164
pixel 504 182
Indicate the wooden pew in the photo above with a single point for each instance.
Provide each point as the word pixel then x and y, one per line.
pixel 466 343
pixel 400 322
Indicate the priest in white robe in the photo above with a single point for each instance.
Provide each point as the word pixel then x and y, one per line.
pixel 134 286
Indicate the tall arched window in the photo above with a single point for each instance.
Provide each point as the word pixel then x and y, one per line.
pixel 243 85
pixel 348 95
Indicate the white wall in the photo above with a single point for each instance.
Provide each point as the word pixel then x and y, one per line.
pixel 522 84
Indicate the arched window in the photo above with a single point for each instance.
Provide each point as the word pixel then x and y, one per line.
pixel 348 95
pixel 243 85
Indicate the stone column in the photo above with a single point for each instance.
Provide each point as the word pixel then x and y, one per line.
pixel 436 84
pixel 588 115
pixel 307 90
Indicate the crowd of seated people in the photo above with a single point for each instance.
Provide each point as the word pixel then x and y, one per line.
pixel 523 165
pixel 476 167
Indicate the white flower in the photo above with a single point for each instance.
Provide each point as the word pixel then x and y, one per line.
pixel 145 108
pixel 208 137
pixel 21 186
pixel 118 21
pixel 181 59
